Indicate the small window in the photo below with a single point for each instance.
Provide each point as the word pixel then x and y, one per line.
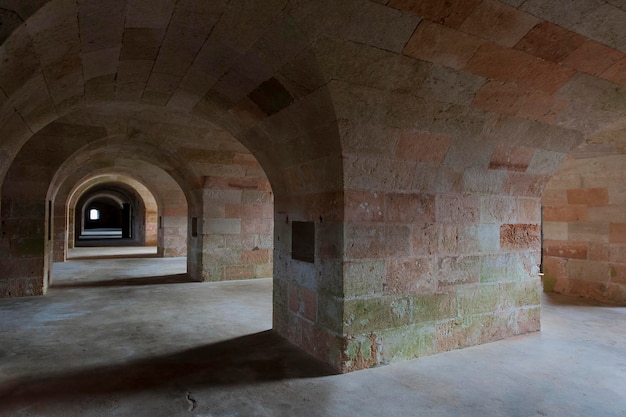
pixel 94 214
pixel 303 241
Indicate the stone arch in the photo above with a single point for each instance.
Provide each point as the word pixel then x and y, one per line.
pixel 417 137
pixel 142 211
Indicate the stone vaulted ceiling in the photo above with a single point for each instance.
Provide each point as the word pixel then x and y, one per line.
pixel 290 79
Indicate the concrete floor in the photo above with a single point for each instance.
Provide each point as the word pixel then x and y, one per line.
pixel 129 337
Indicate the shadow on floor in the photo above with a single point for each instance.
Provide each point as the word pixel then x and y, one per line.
pixel 557 299
pixel 252 359
pixel 123 282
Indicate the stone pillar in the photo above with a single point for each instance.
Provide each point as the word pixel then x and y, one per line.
pixel 236 232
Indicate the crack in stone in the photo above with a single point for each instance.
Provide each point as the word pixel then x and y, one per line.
pixel 193 403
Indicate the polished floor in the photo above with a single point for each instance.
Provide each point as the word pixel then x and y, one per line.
pixel 131 337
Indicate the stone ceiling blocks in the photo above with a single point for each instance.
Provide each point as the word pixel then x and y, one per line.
pixel 20 62
pixel 450 13
pixel 592 58
pixel 441 45
pixel 550 42
pixel 498 23
pixel 154 14
pixel 100 62
pixel 101 24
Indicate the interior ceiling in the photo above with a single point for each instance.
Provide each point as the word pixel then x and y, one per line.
pixel 196 79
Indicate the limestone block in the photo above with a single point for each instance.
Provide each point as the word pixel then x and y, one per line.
pixel 520 236
pixel 586 270
pixel 598 251
pixel 604 24
pixel 553 12
pixel 376 174
pixel 441 45
pixel 566 249
pixel 499 63
pixel 454 270
pixel 364 22
pixel 434 307
pixel 589 231
pixel 303 301
pixel 451 13
pixel 369 66
pixel 459 209
pixel 498 23
pixel 101 24
pixel 141 44
pixel 525 185
pixel 35 104
pixel 617 232
pixel 413 275
pixel 365 315
pixel 555 230
pixel 421 146
pixel 363 278
pixel 222 226
pixel 481 181
pixel 408 342
pixel 550 42
pixel 498 209
pixel 616 72
pixel 409 208
pixel 450 86
pixel 376 241
pixel 501 97
pixel 592 58
pixel 566 213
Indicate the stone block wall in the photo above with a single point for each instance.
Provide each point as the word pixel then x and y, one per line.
pixel 584 229
pixel 432 272
pixel 237 228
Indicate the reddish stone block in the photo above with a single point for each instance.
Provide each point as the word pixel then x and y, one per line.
pixel 410 275
pixel 499 63
pixel 593 58
pixel 239 272
pixel 545 76
pixel 542 107
pixel 618 273
pixel 377 241
pixel 457 209
pixel 568 213
pixel 560 249
pixel 364 206
pixel 520 236
pixel 554 268
pixel 598 251
pixel 528 210
pixel 499 23
pixel 500 97
pixel 617 233
pixel 409 208
pixel 550 42
pixel 588 196
pixel 616 72
pixel 525 184
pixel 256 256
pixel 511 158
pixel 441 45
pixel 451 13
pixel 422 146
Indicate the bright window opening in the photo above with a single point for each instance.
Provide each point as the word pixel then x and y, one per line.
pixel 94 214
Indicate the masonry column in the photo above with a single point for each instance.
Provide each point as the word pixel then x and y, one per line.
pixel 236 233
